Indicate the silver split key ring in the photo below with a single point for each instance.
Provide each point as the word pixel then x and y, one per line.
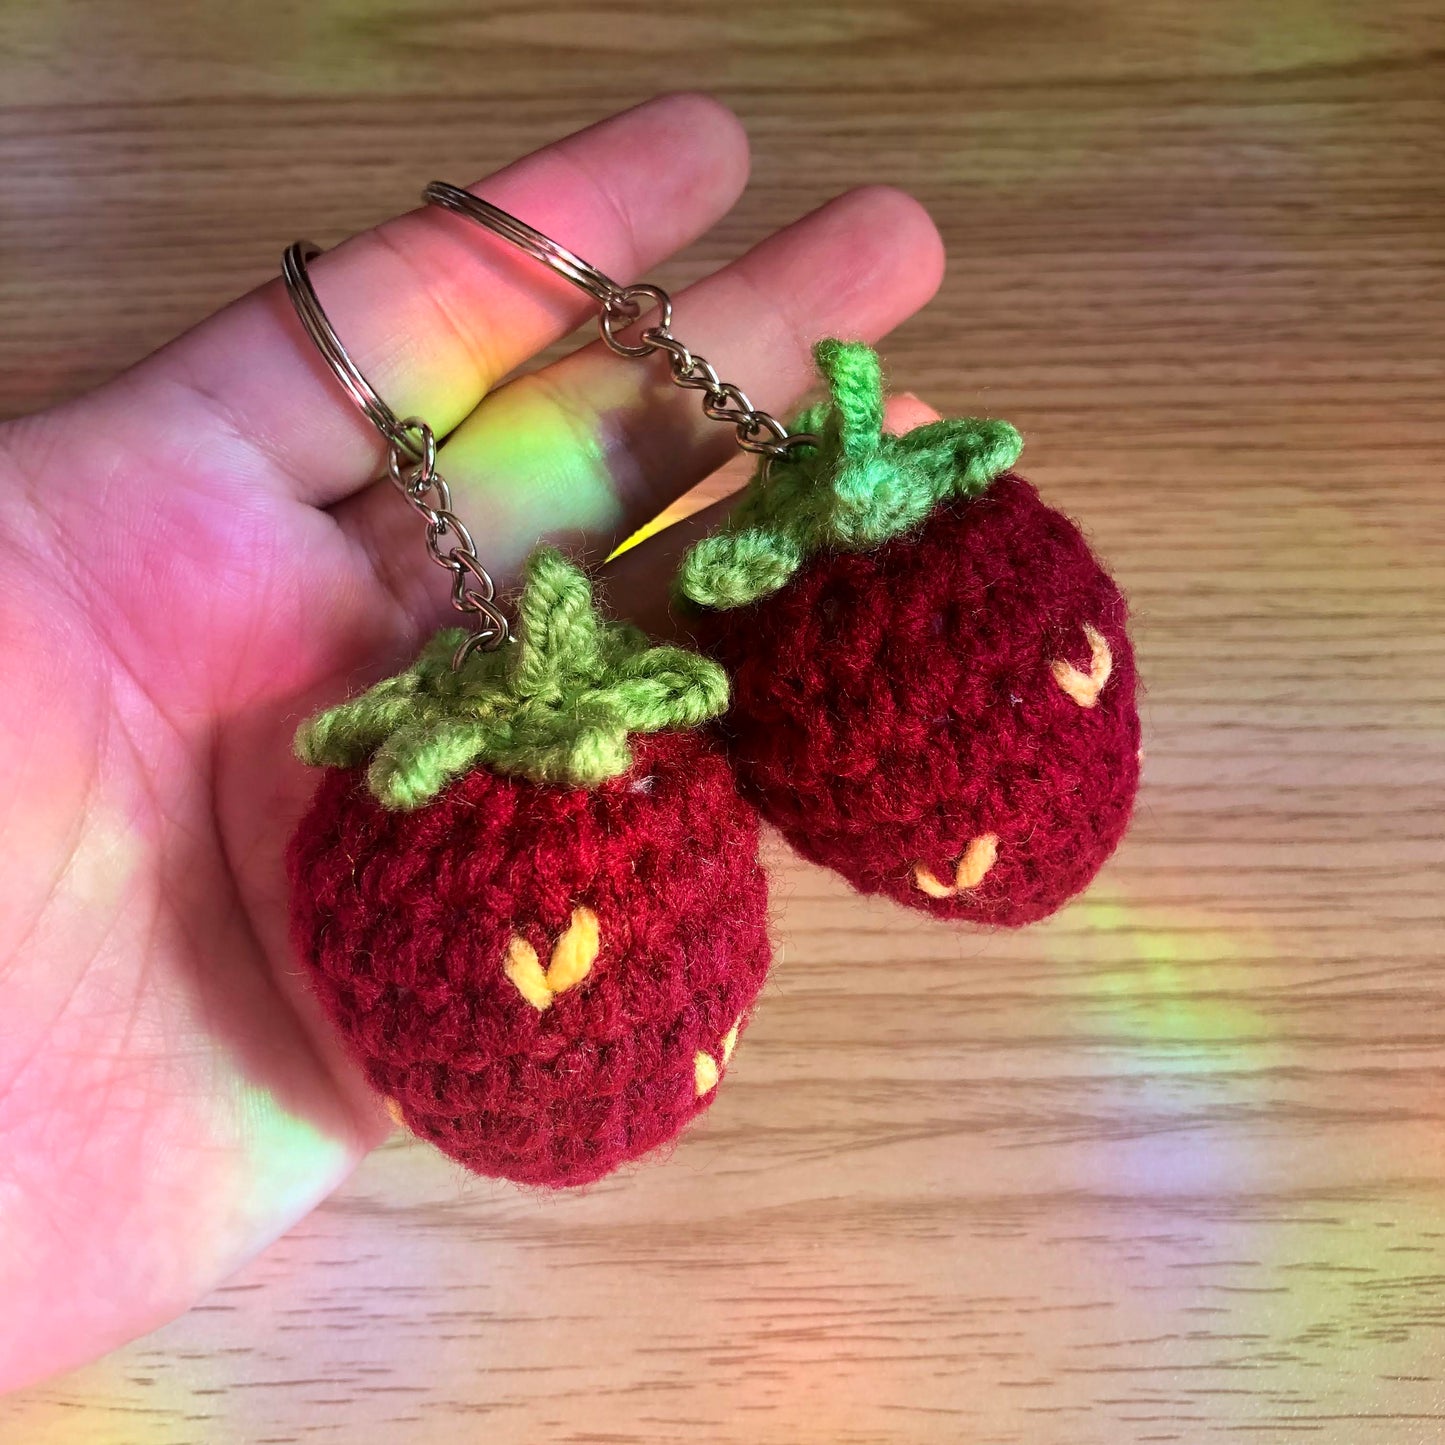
pixel 411 457
pixel 621 306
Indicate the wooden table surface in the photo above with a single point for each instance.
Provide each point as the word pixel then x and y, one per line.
pixel 1170 1167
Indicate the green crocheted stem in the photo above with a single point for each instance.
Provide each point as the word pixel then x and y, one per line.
pixel 856 489
pixel 556 706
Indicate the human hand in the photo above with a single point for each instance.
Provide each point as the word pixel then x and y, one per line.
pixel 197 555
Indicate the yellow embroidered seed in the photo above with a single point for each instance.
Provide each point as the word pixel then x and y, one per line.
pixel 980 855
pixel 704 1073
pixel 927 883
pixel 1085 687
pixel 575 953
pixel 394 1109
pixel 526 973
pixel 730 1042
pixel 978 858
pixel 572 959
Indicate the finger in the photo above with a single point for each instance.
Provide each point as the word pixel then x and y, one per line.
pixel 588 449
pixel 639 582
pixel 435 310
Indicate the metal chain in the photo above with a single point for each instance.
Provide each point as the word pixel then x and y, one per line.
pixel 411 463
pixel 411 457
pixel 757 430
pixel 412 454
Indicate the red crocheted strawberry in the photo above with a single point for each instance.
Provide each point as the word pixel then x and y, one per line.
pixel 540 934
pixel 933 688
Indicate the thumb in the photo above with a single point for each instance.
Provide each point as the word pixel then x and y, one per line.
pixel 905 411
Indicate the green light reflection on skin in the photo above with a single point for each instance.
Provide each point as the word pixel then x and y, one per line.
pixel 286 1154
pixel 556 471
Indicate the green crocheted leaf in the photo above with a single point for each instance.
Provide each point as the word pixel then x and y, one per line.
pixel 558 705
pixel 854 490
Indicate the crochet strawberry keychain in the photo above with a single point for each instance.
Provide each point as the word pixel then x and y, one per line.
pixel 933 687
pixel 527 890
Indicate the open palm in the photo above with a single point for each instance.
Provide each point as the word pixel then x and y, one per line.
pixel 197 555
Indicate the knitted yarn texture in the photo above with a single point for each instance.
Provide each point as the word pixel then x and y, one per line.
pixel 545 979
pixel 935 696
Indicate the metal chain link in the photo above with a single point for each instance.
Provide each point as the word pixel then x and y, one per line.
pixel 757 431
pixel 411 463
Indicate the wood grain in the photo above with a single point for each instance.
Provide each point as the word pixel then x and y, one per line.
pixel 1168 1168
